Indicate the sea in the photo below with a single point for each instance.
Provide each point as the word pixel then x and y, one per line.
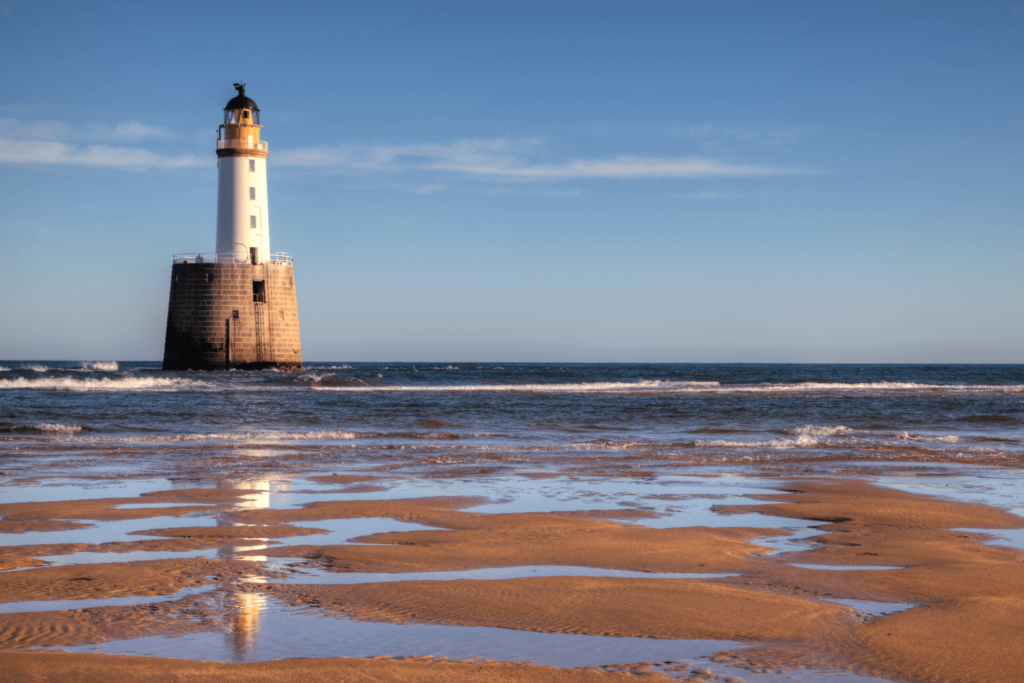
pixel 107 418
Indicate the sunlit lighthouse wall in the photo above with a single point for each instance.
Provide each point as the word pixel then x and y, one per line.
pixel 235 308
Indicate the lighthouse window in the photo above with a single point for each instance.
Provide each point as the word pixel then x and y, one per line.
pixel 252 165
pixel 252 193
pixel 229 117
pixel 252 222
pixel 259 295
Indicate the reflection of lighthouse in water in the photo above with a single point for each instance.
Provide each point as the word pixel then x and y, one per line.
pixel 244 609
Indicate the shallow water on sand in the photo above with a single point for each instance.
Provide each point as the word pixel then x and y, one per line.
pixel 55 605
pixel 258 627
pixel 306 574
pixel 289 632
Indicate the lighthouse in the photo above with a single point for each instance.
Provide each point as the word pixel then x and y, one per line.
pixel 235 308
pixel 243 222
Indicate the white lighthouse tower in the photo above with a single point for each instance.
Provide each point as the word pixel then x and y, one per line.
pixel 243 217
pixel 235 308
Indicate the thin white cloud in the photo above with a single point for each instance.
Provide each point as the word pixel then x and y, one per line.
pixel 506 160
pixel 620 168
pixel 745 134
pixel 706 134
pixel 103 156
pixel 427 189
pixel 56 142
pixel 523 160
pixel 37 130
pixel 131 130
pixel 94 132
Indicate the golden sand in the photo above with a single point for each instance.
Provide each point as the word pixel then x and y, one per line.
pixel 965 625
pixel 36 668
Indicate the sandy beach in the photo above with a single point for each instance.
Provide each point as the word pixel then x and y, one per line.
pixel 955 599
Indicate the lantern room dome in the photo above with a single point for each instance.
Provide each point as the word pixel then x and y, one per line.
pixel 241 101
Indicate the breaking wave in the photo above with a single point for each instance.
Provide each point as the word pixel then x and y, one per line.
pixel 886 386
pixel 608 387
pixel 101 365
pixel 814 430
pixel 103 384
pixel 263 436
pixel 276 436
pixel 249 437
pixel 41 427
pixel 329 379
pixel 802 441
pixel 907 436
pixel 659 386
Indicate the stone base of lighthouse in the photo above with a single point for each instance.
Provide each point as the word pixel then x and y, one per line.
pixel 232 315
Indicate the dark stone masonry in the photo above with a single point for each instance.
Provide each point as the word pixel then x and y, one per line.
pixel 232 315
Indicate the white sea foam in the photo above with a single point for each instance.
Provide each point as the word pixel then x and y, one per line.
pixel 41 427
pixel 882 386
pixel 659 386
pixel 907 436
pixel 815 430
pixel 802 441
pixel 3 369
pixel 317 377
pixel 243 437
pixel 37 368
pixel 247 437
pixel 325 435
pixel 101 365
pixel 104 384
pixel 582 387
pixel 56 427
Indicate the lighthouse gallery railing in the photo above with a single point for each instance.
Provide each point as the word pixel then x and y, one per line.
pixel 279 258
pixel 235 143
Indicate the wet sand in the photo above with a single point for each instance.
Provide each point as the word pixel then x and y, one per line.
pixel 31 667
pixel 476 540
pixel 964 622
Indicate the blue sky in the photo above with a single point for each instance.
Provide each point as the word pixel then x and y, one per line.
pixel 530 181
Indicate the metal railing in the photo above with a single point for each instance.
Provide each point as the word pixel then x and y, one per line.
pixel 235 143
pixel 282 258
pixel 279 258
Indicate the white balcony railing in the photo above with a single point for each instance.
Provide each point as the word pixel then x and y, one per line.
pixel 279 259
pixel 235 143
